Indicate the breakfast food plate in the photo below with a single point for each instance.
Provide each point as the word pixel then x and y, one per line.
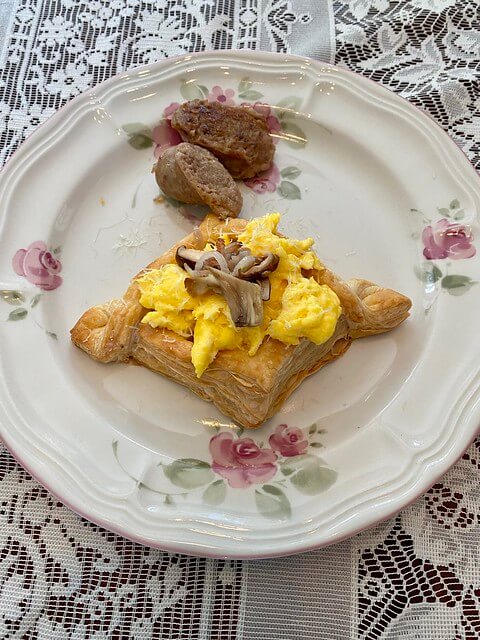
pixel 386 196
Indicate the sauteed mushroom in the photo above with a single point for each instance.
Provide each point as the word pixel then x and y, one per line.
pixel 243 297
pixel 232 271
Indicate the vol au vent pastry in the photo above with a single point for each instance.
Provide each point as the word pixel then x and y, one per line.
pixel 239 314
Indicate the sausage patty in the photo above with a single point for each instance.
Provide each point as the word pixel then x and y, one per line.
pixel 238 136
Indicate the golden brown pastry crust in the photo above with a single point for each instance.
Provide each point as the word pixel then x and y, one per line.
pixel 249 389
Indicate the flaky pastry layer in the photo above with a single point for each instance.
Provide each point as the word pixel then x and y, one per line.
pixel 249 389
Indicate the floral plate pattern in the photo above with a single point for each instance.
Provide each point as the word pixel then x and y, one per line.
pixel 356 441
pixel 242 463
pixel 446 239
pixel 281 122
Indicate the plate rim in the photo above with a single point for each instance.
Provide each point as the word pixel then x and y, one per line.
pixel 400 501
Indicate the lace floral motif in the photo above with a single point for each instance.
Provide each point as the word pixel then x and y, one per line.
pixel 279 17
pixel 62 577
pixel 78 44
pixel 74 45
pixel 400 591
pixel 418 573
pixel 426 50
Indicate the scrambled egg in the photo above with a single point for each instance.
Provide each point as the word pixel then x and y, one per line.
pixel 298 307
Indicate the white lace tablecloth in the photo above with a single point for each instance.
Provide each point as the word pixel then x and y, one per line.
pixel 414 577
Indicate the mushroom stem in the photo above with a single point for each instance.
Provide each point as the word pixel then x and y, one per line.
pixel 233 272
pixel 243 298
pixel 185 256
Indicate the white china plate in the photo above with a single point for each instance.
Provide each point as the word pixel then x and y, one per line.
pixel 360 170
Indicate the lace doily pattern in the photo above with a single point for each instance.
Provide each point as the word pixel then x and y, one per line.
pixel 63 577
pixel 426 50
pixel 59 48
pixel 418 573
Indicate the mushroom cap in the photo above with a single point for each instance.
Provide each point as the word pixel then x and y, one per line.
pixel 244 298
pixel 233 272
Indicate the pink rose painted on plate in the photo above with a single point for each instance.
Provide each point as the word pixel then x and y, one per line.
pixel 217 94
pixel 273 474
pixel 170 110
pixel 445 239
pixel 241 462
pixel 38 266
pixel 273 123
pixel 288 441
pixel 265 182
pixel 164 135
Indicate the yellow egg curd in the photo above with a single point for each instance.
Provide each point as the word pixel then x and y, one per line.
pixel 298 308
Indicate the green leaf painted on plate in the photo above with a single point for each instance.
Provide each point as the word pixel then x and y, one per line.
pixel 52 335
pixel 308 474
pixel 287 107
pixel 131 128
pixel 287 471
pixel 453 281
pixel 57 251
pixel 251 94
pixel 215 493
pixel 444 212
pixel 191 91
pixel 295 463
pixel 293 135
pixel 204 90
pixel 428 272
pixel 140 141
pixel 289 190
pixel 244 84
pixel 137 129
pixel 35 300
pixel 139 135
pixel 459 214
pixel 17 314
pixel 457 285
pixel 272 503
pixel 454 204
pixel 313 428
pixel 290 172
pixel 188 473
pixel 168 500
pixel 313 479
pixel 14 298
pixel 316 445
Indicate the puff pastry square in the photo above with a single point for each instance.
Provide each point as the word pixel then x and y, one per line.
pixel 249 389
